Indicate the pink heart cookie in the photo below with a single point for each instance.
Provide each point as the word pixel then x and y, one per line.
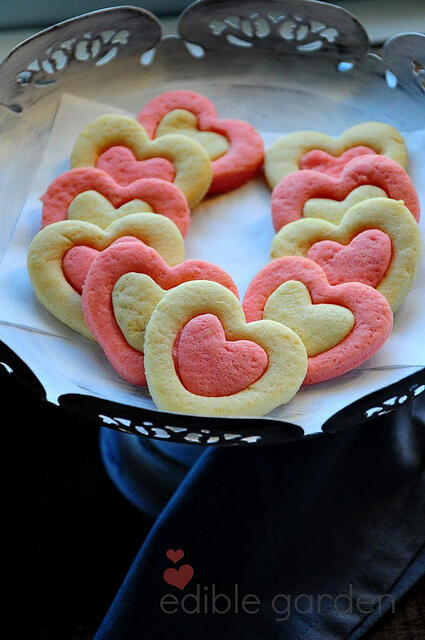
pixel 318 160
pixel 120 163
pixel 133 257
pixel 245 154
pixel 372 313
pixel 203 355
pixel 163 197
pixel 365 259
pixel 291 194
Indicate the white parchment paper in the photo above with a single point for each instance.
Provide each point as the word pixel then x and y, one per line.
pixel 235 231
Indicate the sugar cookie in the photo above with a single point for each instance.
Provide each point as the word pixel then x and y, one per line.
pixel 164 356
pixel 234 147
pixel 122 288
pixel 93 196
pixel 48 250
pixel 193 171
pixel 299 238
pixel 341 326
pixel 293 192
pixel 285 155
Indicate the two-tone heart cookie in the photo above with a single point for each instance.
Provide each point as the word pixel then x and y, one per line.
pixel 359 249
pixel 61 253
pixel 122 288
pixel 193 171
pixel 293 192
pixel 93 196
pixel 234 147
pixel 288 152
pixel 202 358
pixel 341 326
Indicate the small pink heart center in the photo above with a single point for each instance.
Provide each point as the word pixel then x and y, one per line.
pixel 76 263
pixel 78 260
pixel 365 259
pixel 318 160
pixel 209 365
pixel 120 163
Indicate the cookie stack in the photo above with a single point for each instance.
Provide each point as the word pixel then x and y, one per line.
pixel 110 261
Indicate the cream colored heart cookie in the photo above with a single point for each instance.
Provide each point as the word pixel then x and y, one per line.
pixel 50 246
pixel 91 206
pixel 320 326
pixel 383 214
pixel 185 123
pixel 285 155
pixel 198 333
pixel 134 297
pixel 193 171
pixel 334 210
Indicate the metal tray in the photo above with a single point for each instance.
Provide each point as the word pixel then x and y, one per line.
pixel 305 62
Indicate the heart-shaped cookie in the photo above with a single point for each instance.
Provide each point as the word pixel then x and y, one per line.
pixel 235 147
pixel 285 155
pixel 123 286
pixel 49 248
pixel 365 259
pixel 288 289
pixel 293 192
pixel 66 197
pixel 383 214
pixel 203 353
pixel 193 171
pixel 286 355
pixel 320 326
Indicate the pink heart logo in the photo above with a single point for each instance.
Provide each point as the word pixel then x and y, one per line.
pixel 365 259
pixel 318 160
pixel 178 577
pixel 209 365
pixel 120 163
pixel 175 555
